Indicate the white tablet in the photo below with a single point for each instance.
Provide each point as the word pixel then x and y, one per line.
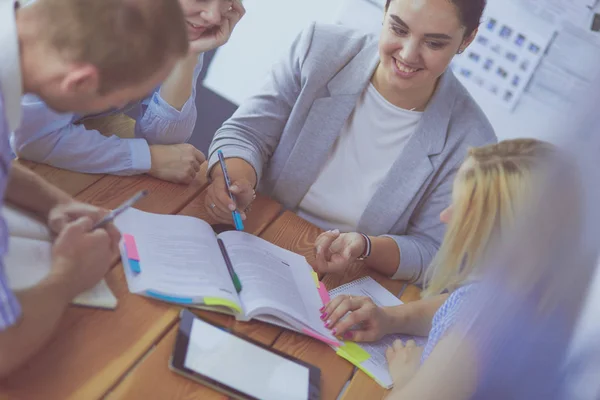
pixel 239 366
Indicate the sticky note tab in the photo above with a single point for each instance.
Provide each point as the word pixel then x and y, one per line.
pixel 324 293
pixel 316 278
pixel 353 353
pixel 216 301
pixel 170 299
pixel 130 247
pixel 135 266
pixel 321 338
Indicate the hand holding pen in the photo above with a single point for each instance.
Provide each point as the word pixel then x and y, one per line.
pixel 228 197
pixel 108 218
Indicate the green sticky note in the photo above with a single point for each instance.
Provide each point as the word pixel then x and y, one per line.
pixel 216 301
pixel 353 353
pixel 315 277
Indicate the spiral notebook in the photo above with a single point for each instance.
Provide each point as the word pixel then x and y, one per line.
pixel 375 365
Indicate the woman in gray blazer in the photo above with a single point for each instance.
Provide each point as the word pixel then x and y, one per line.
pixel 360 134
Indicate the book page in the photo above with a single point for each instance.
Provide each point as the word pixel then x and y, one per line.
pixel 376 365
pixel 179 257
pixel 275 281
pixel 23 224
pixel 29 261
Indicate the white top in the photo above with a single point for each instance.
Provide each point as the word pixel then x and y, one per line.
pixel 370 142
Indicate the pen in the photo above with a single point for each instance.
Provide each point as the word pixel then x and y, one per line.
pixel 236 281
pixel 237 218
pixel 108 218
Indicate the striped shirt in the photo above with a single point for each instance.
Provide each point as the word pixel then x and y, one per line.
pixel 10 117
pixel 9 306
pixel 445 318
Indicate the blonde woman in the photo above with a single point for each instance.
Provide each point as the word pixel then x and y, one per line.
pixel 490 189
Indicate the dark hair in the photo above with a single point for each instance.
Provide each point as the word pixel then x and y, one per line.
pixel 469 12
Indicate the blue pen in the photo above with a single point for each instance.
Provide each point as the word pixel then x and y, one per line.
pixel 237 218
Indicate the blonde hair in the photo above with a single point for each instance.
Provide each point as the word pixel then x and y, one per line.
pixel 490 188
pixel 127 40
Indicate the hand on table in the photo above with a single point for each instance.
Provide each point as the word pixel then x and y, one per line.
pixel 219 35
pixel 370 322
pixel 81 257
pixel 403 361
pixel 218 203
pixel 335 251
pixel 178 163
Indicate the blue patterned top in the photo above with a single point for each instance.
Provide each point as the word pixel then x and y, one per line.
pixel 445 318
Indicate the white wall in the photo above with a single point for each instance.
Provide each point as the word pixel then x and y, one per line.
pixel 263 35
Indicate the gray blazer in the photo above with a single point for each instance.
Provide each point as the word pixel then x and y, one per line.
pixel 288 129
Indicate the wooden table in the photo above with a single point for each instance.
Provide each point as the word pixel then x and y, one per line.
pixel 123 354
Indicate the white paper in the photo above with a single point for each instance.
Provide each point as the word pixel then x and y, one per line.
pixel 29 258
pixel 276 281
pixel 179 256
pixel 504 55
pixel 376 364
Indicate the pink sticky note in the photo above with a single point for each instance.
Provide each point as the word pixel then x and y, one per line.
pixel 130 247
pixel 321 338
pixel 324 293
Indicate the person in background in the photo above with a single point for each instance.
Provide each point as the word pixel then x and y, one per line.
pixel 164 120
pixel 359 133
pixel 494 188
pixel 79 56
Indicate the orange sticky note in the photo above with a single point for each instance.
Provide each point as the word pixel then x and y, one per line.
pixel 130 247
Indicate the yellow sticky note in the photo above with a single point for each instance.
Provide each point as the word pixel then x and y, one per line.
pixel 215 301
pixel 315 277
pixel 353 353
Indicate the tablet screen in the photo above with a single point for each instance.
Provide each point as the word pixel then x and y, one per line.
pixel 244 366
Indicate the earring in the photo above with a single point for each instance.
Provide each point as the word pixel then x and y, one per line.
pixel 460 51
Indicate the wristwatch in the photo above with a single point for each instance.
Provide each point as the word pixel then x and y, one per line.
pixel 367 251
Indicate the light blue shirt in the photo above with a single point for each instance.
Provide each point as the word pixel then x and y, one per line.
pixel 55 139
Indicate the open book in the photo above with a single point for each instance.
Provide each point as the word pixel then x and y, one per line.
pixel 29 258
pixel 179 259
pixel 374 362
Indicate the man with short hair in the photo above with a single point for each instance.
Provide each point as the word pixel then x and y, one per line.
pixel 163 121
pixel 50 50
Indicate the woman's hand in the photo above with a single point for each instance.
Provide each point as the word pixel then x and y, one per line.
pixel 335 251
pixel 403 361
pixel 356 318
pixel 218 203
pixel 219 35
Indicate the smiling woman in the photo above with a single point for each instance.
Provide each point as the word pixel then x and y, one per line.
pixel 359 133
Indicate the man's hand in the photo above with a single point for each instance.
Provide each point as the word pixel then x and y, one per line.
pixel 65 213
pixel 81 257
pixel 177 163
pixel 219 35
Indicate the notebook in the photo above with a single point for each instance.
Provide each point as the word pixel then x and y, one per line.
pixel 29 258
pixel 179 259
pixel 373 361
